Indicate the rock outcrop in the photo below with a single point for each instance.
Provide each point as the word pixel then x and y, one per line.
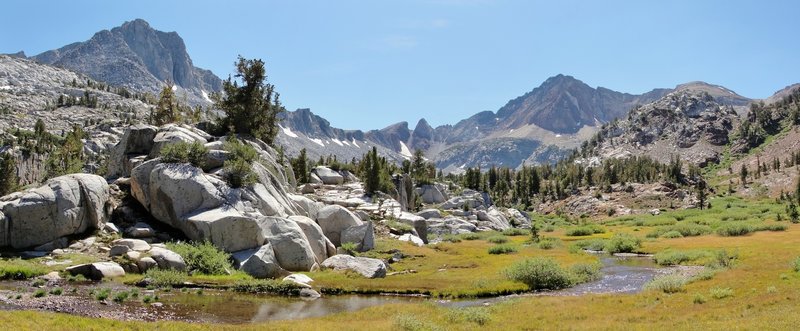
pixel 64 206
pixel 367 267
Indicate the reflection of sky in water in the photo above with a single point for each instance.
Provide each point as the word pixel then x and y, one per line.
pixel 620 275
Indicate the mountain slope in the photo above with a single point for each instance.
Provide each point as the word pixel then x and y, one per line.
pixel 138 57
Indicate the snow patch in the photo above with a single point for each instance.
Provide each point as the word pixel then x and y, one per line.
pixel 286 131
pixel 317 141
pixel 558 136
pixel 336 141
pixel 354 143
pixel 7 87
pixel 346 142
pixel 404 150
pixel 174 87
pixel 463 166
pixel 205 96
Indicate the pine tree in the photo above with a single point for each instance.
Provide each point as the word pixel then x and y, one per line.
pixel 252 108
pixel 9 182
pixel 167 109
pixel 300 167
pixel 743 175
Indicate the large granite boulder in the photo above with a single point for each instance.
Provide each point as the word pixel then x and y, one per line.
pixel 367 267
pixel 259 262
pixel 290 245
pixel 316 238
pixel 97 270
pixel 420 224
pixel 328 176
pixel 493 219
pixel 334 219
pixel 64 206
pixel 431 194
pixel 137 140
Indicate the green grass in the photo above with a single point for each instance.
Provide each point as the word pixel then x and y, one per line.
pixel 586 230
pixel 516 232
pixel 677 257
pixel 270 286
pixel 540 274
pixel 39 293
pixel 623 243
pixel 56 291
pixel 684 229
pixel 165 277
pixel 102 294
pixel 721 292
pixel 497 239
pixel 19 269
pixel 734 229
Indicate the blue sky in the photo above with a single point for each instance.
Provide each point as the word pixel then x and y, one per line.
pixel 367 64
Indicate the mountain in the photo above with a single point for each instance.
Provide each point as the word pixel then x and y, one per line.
pixel 563 104
pixel 690 123
pixel 137 57
pixel 540 126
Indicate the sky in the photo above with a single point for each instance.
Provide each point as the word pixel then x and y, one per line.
pixel 368 64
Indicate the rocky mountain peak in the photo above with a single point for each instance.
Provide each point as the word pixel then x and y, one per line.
pixel 138 57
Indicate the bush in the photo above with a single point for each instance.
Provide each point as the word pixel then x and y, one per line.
pixel 547 243
pixel 516 232
pixel 586 230
pixel 238 166
pixel 667 284
pixel 350 247
pixel 165 277
pixel 477 315
pixel 685 229
pixel 540 274
pixel 121 297
pixel 451 238
pixel 721 292
pixel 699 299
pixel 585 272
pixel 672 234
pixel 502 249
pixel 183 152
pixel 734 229
pixel 102 294
pixel 623 243
pixel 770 227
pixel 498 239
pixel 723 259
pixel 674 257
pixel 470 236
pixel 57 291
pixel 204 258
pixel 39 293
pixel 591 244
pixel 19 269
pixel 399 226
pixel 549 228
pixel 796 264
pixel 411 322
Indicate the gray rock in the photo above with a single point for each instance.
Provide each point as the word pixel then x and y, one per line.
pixel 118 250
pixel 493 219
pixel 328 176
pixel 259 263
pixel 289 244
pixel 430 213
pixel 167 259
pixel 334 219
pixel 97 270
pixel 134 244
pixel 140 230
pixel 299 279
pixel 431 194
pixel 362 235
pixel 62 242
pixel 146 263
pixel 64 206
pixel 420 224
pixel 367 267
pixel 314 235
pixel 412 239
pixel 110 227
pixel 307 293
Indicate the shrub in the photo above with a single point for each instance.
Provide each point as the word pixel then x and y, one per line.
pixel 721 292
pixel 350 247
pixel 672 234
pixel 477 315
pixel 699 299
pixel 121 297
pixel 685 229
pixel 796 264
pixel 723 259
pixel 19 269
pixel 399 226
pixel 183 152
pixel 411 322
pixel 238 166
pixel 470 236
pixel 102 294
pixel 706 274
pixel 667 284
pixel 547 243
pixel 502 249
pixel 770 227
pixel 585 272
pixel 165 277
pixel 675 257
pixel 591 244
pixel 147 299
pixel 498 239
pixel 516 232
pixel 539 274
pixel 586 230
pixel 734 229
pixel 204 257
pixel 549 228
pixel 39 293
pixel 57 291
pixel 623 243
pixel 271 286
pixel 451 238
